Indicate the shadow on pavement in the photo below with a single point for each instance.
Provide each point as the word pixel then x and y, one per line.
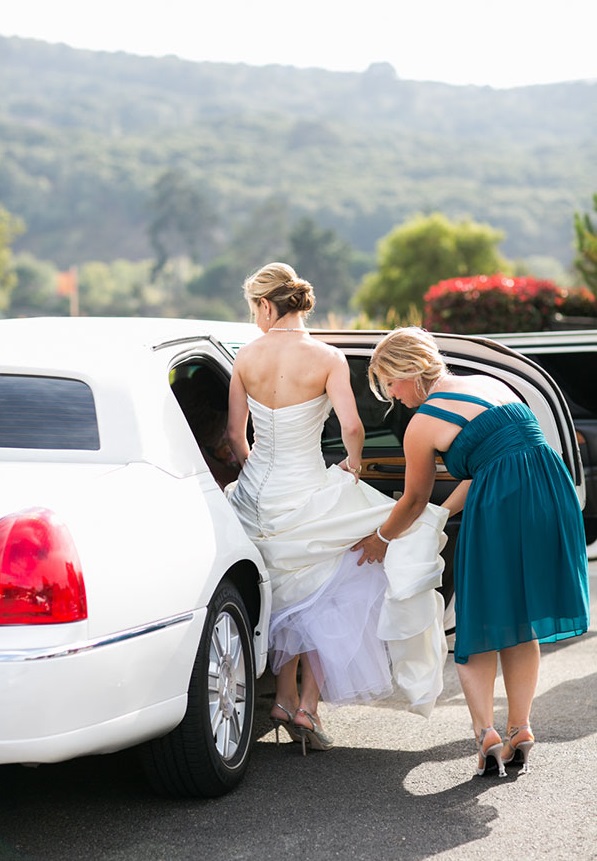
pixel 348 803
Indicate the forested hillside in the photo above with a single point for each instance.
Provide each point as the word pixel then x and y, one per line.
pixel 86 138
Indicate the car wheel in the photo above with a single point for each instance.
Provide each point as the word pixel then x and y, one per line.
pixel 207 754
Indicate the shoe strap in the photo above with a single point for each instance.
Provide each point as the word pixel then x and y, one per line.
pixel 482 735
pixel 484 732
pixel 285 710
pixel 516 729
pixel 313 720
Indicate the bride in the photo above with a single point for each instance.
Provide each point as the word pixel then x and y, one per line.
pixel 359 633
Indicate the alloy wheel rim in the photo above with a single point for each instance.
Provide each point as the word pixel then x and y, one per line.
pixel 227 685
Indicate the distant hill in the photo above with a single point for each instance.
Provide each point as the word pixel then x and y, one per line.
pixel 84 136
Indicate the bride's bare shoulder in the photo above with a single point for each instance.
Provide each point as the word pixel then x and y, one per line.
pixel 333 353
pixel 257 343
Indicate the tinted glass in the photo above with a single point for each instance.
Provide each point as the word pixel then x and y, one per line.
pixel 576 375
pixel 47 413
pixel 382 428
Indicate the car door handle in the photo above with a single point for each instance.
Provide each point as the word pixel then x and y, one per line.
pixel 398 469
pixel 393 468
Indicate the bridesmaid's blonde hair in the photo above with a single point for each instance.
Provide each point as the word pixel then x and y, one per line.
pixel 279 283
pixel 405 354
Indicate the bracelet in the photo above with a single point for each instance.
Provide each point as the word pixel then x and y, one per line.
pixel 380 536
pixel 356 471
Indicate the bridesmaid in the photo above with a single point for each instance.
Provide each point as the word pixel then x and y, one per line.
pixel 520 566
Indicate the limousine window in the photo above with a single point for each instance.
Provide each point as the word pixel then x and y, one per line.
pixel 383 429
pixel 575 374
pixel 47 413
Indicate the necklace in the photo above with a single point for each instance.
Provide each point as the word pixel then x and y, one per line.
pixel 279 329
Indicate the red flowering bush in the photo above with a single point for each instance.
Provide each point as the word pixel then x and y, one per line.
pixel 498 303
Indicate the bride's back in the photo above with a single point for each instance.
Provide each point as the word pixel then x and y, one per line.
pixel 285 368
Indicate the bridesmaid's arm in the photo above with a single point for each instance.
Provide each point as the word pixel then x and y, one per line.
pixel 419 453
pixel 455 501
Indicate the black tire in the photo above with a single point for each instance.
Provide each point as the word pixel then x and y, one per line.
pixel 207 754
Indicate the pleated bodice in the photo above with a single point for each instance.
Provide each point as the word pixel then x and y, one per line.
pixel 491 436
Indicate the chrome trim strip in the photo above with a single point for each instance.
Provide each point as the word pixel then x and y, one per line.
pixel 65 650
pixel 187 339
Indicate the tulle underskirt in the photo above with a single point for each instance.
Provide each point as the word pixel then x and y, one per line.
pixel 337 627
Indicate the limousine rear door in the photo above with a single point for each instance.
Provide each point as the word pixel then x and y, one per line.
pixel 383 454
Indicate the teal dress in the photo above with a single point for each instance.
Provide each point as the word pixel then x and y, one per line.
pixel 520 563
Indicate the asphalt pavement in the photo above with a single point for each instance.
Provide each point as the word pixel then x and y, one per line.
pixel 395 786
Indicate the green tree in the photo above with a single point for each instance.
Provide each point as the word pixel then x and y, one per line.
pixel 586 246
pixel 215 279
pixel 121 288
pixel 10 228
pixel 422 252
pixel 259 237
pixel 35 291
pixel 182 219
pixel 320 256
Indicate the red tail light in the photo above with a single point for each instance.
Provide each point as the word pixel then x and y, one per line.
pixel 40 574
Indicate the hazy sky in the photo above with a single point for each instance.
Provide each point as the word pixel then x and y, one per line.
pixel 502 44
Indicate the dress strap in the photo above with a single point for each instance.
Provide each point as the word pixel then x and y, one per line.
pixel 447 415
pixel 456 396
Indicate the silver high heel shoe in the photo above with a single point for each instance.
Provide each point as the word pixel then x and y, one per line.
pixel 493 751
pixel 522 748
pixel 316 737
pixel 287 724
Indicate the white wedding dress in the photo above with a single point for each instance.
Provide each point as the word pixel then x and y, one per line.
pixel 371 630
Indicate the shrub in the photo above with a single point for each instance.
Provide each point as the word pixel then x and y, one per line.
pixel 578 302
pixel 498 303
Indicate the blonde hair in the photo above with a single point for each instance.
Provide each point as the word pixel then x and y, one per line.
pixel 405 354
pixel 279 283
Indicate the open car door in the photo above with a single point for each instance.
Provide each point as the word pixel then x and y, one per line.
pixel 383 455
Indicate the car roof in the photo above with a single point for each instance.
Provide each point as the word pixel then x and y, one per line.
pixel 552 339
pixel 77 342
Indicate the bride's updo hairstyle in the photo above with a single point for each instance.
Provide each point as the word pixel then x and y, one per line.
pixel 406 354
pixel 279 284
